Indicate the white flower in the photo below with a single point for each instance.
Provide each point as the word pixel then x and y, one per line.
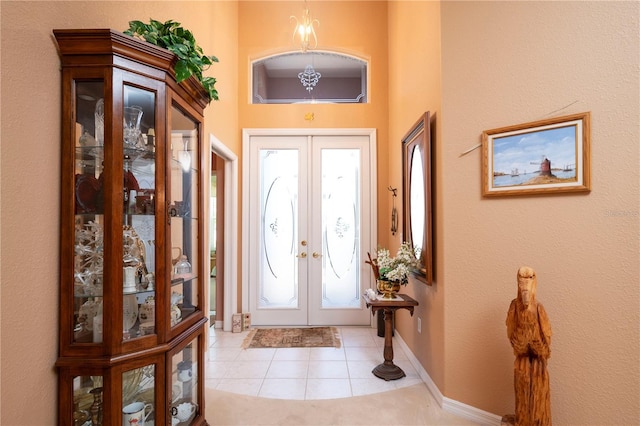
pixel 396 269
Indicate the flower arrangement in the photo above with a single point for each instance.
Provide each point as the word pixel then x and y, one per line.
pixel 395 269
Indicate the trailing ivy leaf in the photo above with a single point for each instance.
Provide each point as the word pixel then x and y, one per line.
pixel 181 42
pixel 182 70
pixel 209 85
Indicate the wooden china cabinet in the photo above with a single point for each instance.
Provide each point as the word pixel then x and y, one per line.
pixel 132 321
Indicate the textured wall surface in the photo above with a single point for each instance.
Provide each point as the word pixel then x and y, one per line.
pixel 415 87
pixel 30 178
pixel 506 63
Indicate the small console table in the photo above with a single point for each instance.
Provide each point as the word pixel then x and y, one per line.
pixel 388 370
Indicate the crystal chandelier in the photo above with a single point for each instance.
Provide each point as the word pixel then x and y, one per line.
pixel 305 30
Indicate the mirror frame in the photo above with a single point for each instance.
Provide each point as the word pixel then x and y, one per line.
pixel 418 140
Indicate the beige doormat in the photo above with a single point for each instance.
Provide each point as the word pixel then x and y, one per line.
pixel 314 337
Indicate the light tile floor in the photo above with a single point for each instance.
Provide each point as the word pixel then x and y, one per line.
pixel 304 373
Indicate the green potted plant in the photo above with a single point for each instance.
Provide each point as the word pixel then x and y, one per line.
pixel 171 36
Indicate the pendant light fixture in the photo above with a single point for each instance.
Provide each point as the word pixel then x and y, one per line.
pixel 304 30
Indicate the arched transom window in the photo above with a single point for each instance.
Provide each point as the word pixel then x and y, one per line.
pixel 309 77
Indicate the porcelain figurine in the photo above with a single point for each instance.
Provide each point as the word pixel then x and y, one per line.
pixel 147 310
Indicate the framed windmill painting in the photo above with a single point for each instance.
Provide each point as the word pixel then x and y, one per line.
pixel 541 157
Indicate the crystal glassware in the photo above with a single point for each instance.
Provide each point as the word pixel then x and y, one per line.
pixel 99 122
pixel 131 126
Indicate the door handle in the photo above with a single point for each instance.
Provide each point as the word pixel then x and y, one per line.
pixel 316 255
pixel 302 255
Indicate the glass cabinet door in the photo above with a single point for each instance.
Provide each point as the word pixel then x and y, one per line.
pixel 89 212
pixel 138 212
pixel 182 198
pixel 184 384
pixel 88 400
pixel 138 396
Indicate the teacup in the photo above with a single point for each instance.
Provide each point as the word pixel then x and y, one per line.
pixel 133 414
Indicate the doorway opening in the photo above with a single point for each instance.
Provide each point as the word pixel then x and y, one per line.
pixel 223 233
pixel 216 236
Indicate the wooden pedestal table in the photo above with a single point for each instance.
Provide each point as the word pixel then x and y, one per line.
pixel 388 370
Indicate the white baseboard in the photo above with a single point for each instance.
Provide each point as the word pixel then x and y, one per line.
pixel 471 413
pixel 447 404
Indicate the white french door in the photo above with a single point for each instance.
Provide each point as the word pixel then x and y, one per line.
pixel 310 221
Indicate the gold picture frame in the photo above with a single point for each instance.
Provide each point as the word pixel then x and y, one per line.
pixel 541 157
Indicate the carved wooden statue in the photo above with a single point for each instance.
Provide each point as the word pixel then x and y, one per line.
pixel 529 332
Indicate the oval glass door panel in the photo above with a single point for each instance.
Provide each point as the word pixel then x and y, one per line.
pixel 340 210
pixel 417 199
pixel 278 262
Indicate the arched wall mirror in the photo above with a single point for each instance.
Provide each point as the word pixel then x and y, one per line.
pixel 416 195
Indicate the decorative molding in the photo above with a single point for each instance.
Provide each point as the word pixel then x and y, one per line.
pixel 447 404
pixel 355 100
pixel 230 298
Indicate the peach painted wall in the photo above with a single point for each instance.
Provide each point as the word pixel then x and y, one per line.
pixel 357 28
pixel 506 63
pixel 415 87
pixel 221 117
pixel 30 174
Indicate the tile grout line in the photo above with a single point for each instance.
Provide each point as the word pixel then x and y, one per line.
pixel 220 344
